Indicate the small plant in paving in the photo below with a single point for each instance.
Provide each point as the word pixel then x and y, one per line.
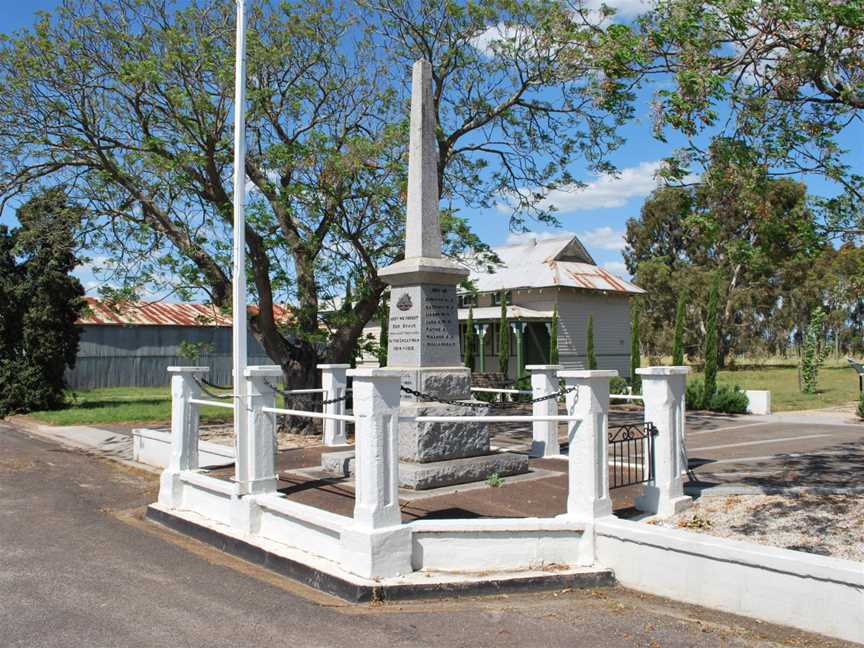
pixel 494 480
pixel 695 522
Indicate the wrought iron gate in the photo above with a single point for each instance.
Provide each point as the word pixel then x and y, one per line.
pixel 631 454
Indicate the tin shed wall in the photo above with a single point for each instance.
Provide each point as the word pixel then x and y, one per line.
pixel 139 356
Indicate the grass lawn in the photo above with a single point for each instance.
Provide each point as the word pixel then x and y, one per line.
pixel 837 386
pixel 122 405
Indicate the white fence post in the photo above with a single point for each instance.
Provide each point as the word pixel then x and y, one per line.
pixel 377 545
pixel 544 381
pixel 184 431
pixel 334 382
pixel 663 389
pixel 256 454
pixel 588 454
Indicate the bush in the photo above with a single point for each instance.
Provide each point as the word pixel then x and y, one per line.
pixel 618 385
pixel 726 399
pixel 861 406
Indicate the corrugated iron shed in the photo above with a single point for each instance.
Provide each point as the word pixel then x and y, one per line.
pixel 161 314
pixel 561 262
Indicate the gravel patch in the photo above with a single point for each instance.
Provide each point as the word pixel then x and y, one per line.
pixel 818 523
pixel 224 435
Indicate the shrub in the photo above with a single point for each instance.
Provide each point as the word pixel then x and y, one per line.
pixel 861 406
pixel 813 354
pixel 726 399
pixel 635 351
pixel 553 338
pixel 711 339
pixel 589 344
pixel 618 385
pixel 678 341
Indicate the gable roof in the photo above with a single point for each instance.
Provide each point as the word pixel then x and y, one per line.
pixel 161 314
pixel 561 261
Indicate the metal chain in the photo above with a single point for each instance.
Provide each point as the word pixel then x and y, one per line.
pixel 287 394
pixel 483 404
pixel 203 384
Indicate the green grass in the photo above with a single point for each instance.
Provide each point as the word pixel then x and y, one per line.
pixel 838 385
pixel 122 405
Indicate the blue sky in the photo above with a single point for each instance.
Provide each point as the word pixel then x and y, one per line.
pixel 598 213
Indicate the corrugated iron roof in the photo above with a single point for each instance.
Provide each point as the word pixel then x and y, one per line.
pixel 547 263
pixel 161 314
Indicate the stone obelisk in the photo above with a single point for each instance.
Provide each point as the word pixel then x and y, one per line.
pixel 423 336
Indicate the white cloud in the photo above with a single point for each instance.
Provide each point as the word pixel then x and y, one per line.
pixel 607 191
pixel 603 238
pixel 519 35
pixel 618 268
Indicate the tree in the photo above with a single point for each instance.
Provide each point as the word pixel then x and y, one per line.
pixel 757 231
pixel 678 341
pixel 129 102
pixel 711 343
pixel 813 353
pixel 504 338
pixel 783 77
pixel 470 342
pixel 42 302
pixel 589 344
pixel 553 337
pixel 635 350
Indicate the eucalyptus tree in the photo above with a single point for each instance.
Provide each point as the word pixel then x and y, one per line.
pixel 783 77
pixel 128 104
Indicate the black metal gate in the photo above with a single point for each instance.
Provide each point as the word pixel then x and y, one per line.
pixel 631 454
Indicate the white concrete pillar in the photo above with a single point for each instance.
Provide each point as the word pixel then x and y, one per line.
pixel 663 389
pixel 184 431
pixel 588 487
pixel 255 467
pixel 544 381
pixel 334 382
pixel 377 545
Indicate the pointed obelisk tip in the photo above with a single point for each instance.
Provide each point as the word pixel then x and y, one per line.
pixel 422 227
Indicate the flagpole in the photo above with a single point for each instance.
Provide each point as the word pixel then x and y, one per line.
pixel 238 296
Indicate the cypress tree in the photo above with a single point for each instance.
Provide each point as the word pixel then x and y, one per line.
pixel 384 321
pixel 589 345
pixel 504 338
pixel 711 343
pixel 678 341
pixel 470 344
pixel 553 337
pixel 635 352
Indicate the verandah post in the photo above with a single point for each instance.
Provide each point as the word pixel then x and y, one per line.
pixel 184 431
pixel 663 389
pixel 544 381
pixel 588 454
pixel 334 382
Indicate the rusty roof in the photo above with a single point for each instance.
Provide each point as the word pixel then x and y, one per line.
pixel 142 313
pixel 561 261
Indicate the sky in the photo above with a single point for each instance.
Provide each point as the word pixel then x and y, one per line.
pixel 597 214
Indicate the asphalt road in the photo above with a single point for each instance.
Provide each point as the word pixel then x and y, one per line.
pixel 80 567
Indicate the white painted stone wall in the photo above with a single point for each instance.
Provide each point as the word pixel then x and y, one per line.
pixel 793 588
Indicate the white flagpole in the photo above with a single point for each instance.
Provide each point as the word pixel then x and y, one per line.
pixel 239 274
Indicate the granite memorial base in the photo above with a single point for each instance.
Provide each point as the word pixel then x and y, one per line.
pixel 437 474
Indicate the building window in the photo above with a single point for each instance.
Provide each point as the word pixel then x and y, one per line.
pixel 468 299
pixel 496 298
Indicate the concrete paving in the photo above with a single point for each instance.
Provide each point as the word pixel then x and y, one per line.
pixel 80 567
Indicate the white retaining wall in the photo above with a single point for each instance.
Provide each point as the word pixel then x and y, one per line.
pixel 498 545
pixel 805 591
pixel 153 447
